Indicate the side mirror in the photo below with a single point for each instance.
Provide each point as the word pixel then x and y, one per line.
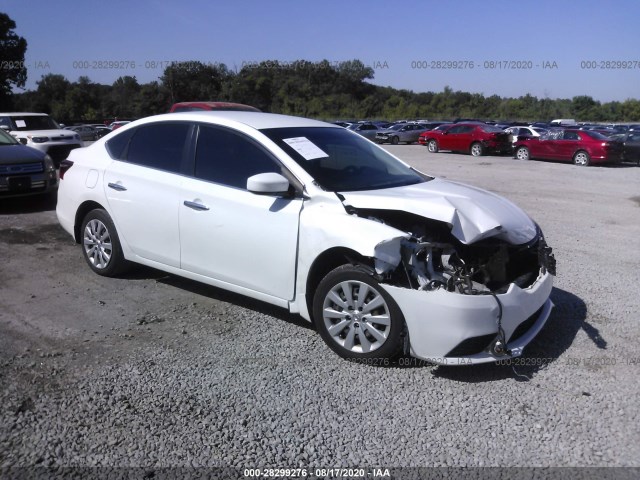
pixel 268 184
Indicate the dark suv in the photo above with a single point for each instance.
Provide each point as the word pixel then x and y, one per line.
pixel 24 170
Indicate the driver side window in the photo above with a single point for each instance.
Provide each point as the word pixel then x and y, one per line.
pixel 229 158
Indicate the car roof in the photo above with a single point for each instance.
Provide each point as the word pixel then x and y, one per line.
pixel 257 120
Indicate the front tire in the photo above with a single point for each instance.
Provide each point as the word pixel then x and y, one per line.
pixel 477 150
pixel 582 158
pixel 395 140
pixel 101 245
pixel 356 317
pixel 432 146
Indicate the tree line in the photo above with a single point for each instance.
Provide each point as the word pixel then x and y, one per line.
pixel 323 90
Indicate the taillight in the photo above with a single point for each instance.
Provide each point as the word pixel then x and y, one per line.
pixel 64 166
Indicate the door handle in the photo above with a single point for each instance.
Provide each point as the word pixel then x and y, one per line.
pixel 195 206
pixel 117 186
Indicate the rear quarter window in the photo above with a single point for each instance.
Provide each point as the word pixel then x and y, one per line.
pixel 160 145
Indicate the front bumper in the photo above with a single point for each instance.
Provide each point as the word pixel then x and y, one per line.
pixel 449 328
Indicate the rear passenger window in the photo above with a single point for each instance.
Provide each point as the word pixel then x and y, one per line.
pixel 229 158
pixel 159 145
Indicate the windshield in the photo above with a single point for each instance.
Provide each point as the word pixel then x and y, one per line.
pixel 341 161
pixel 6 139
pixel 35 122
pixel 397 126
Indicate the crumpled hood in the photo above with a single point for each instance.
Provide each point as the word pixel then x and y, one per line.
pixel 473 213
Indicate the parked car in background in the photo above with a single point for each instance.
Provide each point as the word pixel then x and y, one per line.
pixel 382 258
pixel 24 170
pixel 367 130
pixel 226 106
pixel 582 147
pixel 524 131
pixel 87 132
pixel 431 125
pixel 544 125
pixel 102 131
pixel 41 132
pixel 474 138
pixel 563 122
pixel 630 145
pixel 400 132
pixel 425 137
pixel 117 124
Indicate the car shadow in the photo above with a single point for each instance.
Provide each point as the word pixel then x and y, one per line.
pixel 140 272
pixel 566 319
pixel 29 204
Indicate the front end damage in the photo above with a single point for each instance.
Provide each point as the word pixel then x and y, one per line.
pixel 463 303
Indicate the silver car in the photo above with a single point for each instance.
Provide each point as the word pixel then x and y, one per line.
pixel 400 132
pixel 367 130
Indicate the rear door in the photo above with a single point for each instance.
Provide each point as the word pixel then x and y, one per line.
pixel 143 189
pixel 567 145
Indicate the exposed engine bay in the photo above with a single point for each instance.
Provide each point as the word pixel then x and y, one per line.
pixel 432 258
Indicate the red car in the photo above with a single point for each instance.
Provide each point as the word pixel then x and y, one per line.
pixel 582 147
pixel 475 138
pixel 194 106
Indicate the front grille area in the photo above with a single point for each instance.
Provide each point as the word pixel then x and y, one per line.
pixel 525 326
pixel 472 346
pixel 21 168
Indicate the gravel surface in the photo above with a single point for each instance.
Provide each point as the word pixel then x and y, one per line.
pixel 150 370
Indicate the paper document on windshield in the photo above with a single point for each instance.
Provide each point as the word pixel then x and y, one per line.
pixel 305 147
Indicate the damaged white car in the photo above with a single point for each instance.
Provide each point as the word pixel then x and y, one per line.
pixel 311 217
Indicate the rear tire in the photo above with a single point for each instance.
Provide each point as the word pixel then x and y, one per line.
pixel 582 158
pixel 477 150
pixel 101 245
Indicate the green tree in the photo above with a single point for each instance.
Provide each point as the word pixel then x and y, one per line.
pixel 193 80
pixel 12 50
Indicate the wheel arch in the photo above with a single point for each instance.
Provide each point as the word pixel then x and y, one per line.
pixel 326 262
pixel 82 211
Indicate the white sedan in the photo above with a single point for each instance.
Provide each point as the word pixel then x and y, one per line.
pixel 306 215
pixel 525 131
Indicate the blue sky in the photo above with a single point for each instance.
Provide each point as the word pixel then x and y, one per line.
pixel 392 37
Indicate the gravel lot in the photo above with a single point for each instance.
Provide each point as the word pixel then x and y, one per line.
pixel 154 371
